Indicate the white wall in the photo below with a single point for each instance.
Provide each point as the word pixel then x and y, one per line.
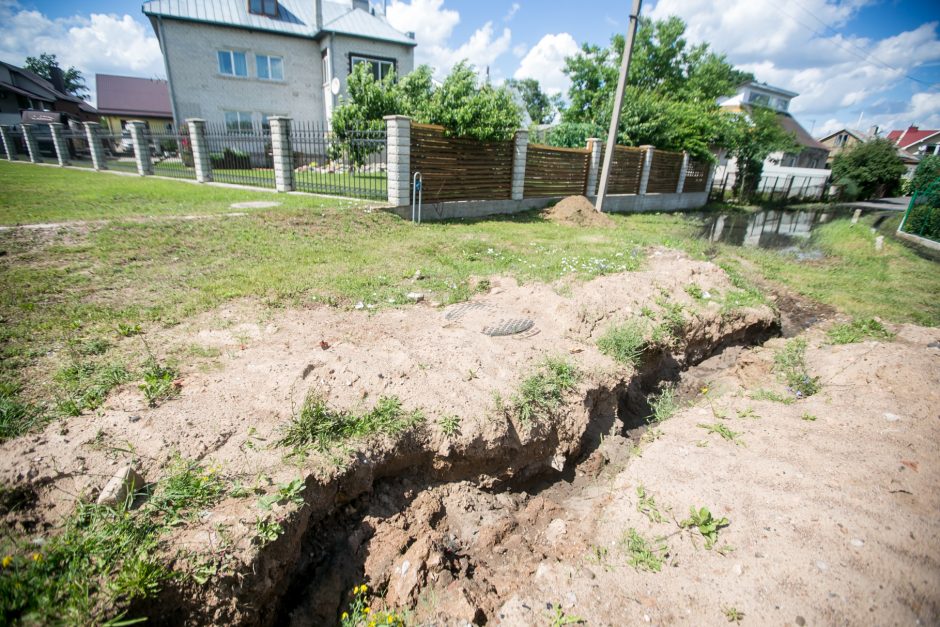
pixel 343 46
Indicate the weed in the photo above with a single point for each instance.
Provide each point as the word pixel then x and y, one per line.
pixel 559 618
pixel 16 416
pixel 598 555
pixel 790 366
pixel 672 323
pixel 747 413
pixel 321 426
pixel 808 417
pixel 646 505
pixel 290 492
pixel 128 329
pixel 644 554
pixel 723 431
pixel 770 395
pixel 359 613
pixel 624 343
pixel 450 425
pixel 89 348
pixel 706 524
pixel 694 291
pixel 664 405
pixel 187 490
pixel 745 296
pixel 266 530
pixel 733 614
pixel 159 382
pixel 858 330
pixel 85 385
pixel 541 394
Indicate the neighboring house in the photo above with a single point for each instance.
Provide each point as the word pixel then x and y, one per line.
pixel 812 154
pixel 240 62
pixel 22 90
pixel 843 139
pixel 917 142
pixel 124 98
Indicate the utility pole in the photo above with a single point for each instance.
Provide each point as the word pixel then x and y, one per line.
pixel 618 104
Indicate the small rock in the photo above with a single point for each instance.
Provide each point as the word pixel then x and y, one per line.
pixel 800 621
pixel 134 418
pixel 891 417
pixel 360 305
pixel 821 565
pixel 418 276
pixel 556 531
pixel 125 481
pixel 858 542
pixel 738 569
pixel 415 297
pixel 570 600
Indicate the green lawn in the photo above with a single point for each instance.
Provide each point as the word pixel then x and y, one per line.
pixel 67 294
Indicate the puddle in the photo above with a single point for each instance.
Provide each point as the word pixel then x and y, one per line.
pixel 785 231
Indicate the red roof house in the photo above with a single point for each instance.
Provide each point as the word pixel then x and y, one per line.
pixel 917 141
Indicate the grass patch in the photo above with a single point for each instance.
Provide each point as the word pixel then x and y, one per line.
pixel 708 526
pixel 790 366
pixel 664 404
pixel 542 393
pixel 16 416
pixel 646 505
pixel 159 382
pixel 643 554
pixel 723 431
pixel 624 343
pixel 323 427
pixel 103 558
pixel 769 395
pixel 84 385
pixel 858 330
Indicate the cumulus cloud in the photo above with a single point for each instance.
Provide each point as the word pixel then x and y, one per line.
pixel 546 62
pixel 512 11
pixel 433 25
pixel 95 44
pixel 797 47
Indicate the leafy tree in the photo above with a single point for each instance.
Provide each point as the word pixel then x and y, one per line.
pixel 541 107
pixel 873 167
pixel 73 79
pixel 928 171
pixel 750 137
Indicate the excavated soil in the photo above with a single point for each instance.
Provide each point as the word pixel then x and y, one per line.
pixel 577 211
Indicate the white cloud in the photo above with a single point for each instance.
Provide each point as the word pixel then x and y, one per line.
pixel 546 62
pixel 433 26
pixel 99 43
pixel 796 46
pixel 512 11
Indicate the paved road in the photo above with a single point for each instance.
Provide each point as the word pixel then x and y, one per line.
pixel 888 204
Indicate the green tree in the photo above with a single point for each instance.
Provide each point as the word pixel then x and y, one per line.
pixel 541 107
pixel 73 79
pixel 873 168
pixel 750 137
pixel 928 171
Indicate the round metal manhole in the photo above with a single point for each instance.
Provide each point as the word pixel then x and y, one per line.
pixel 459 311
pixel 508 327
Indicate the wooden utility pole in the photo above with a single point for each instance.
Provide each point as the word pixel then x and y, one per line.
pixel 618 104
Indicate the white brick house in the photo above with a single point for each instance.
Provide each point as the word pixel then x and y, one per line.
pixel 239 62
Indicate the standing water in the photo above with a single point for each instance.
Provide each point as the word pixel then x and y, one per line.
pixel 770 228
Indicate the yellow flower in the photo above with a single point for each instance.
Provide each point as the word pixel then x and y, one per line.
pixel 364 588
pixel 345 616
pixel 391 619
pixel 7 560
pixel 367 611
pixel 37 557
pixel 704 390
pixel 372 623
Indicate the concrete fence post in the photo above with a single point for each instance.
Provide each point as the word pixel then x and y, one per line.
pixel 520 149
pixel 92 135
pixel 685 166
pixel 8 146
pixel 202 163
pixel 282 153
pixel 647 165
pixel 398 141
pixel 141 147
pixel 58 141
pixel 31 145
pixel 594 166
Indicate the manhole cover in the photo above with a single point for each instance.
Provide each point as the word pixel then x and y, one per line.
pixel 508 327
pixel 459 311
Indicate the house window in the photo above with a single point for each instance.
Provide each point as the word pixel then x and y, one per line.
pixel 233 63
pixel 380 68
pixel 238 121
pixel 266 120
pixel 270 68
pixel 761 100
pixel 263 7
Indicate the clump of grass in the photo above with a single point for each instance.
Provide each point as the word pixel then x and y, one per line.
pixel 723 431
pixel 321 426
pixel 746 295
pixel 624 343
pixel 664 404
pixel 701 520
pixel 450 425
pixel 646 505
pixel 770 395
pixel 644 554
pixel 693 290
pixel 128 329
pixel 733 614
pixel 790 366
pixel 542 393
pixel 16 416
pixel 86 384
pixel 859 330
pixel 267 530
pixel 808 417
pixel 159 382
pixel 672 323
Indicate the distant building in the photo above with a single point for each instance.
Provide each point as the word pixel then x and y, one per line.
pixel 124 98
pixel 22 90
pixel 843 139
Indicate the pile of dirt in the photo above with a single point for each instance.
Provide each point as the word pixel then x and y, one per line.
pixel 577 211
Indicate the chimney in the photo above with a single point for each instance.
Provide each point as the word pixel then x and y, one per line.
pixel 57 78
pixel 361 4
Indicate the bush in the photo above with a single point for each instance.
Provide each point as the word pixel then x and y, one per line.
pixel 230 159
pixel 928 171
pixel 873 166
pixel 923 220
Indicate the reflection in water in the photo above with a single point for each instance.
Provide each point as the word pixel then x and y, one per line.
pixel 764 229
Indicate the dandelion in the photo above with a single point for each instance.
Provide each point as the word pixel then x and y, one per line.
pixel 364 588
pixel 345 616
pixel 7 561
pixel 704 389
pixel 367 611
pixel 37 557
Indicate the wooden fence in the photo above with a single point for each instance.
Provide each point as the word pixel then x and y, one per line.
pixel 664 172
pixel 626 170
pixel 551 171
pixel 696 177
pixel 460 169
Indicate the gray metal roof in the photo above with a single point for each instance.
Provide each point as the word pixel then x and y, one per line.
pixel 295 17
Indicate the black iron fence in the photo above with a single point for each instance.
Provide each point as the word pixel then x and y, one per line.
pixel 76 141
pixel 775 188
pixel 18 144
pixel 171 153
pixel 241 155
pixel 118 150
pixel 352 163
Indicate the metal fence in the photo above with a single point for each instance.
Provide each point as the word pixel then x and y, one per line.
pixel 172 154
pixel 77 142
pixel 788 188
pixel 240 155
pixel 18 144
pixel 353 163
pixel 118 150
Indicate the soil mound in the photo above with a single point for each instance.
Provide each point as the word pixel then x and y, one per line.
pixel 577 211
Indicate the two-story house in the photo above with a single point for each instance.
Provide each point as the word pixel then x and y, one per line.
pixel 240 62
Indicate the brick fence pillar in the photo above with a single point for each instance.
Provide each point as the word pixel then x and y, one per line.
pixel 31 144
pixel 399 159
pixel 200 147
pixel 647 165
pixel 521 147
pixel 141 147
pixel 8 146
pixel 594 166
pixel 685 165
pixel 92 135
pixel 61 146
pixel 282 153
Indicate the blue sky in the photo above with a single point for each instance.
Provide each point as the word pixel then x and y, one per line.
pixel 845 58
